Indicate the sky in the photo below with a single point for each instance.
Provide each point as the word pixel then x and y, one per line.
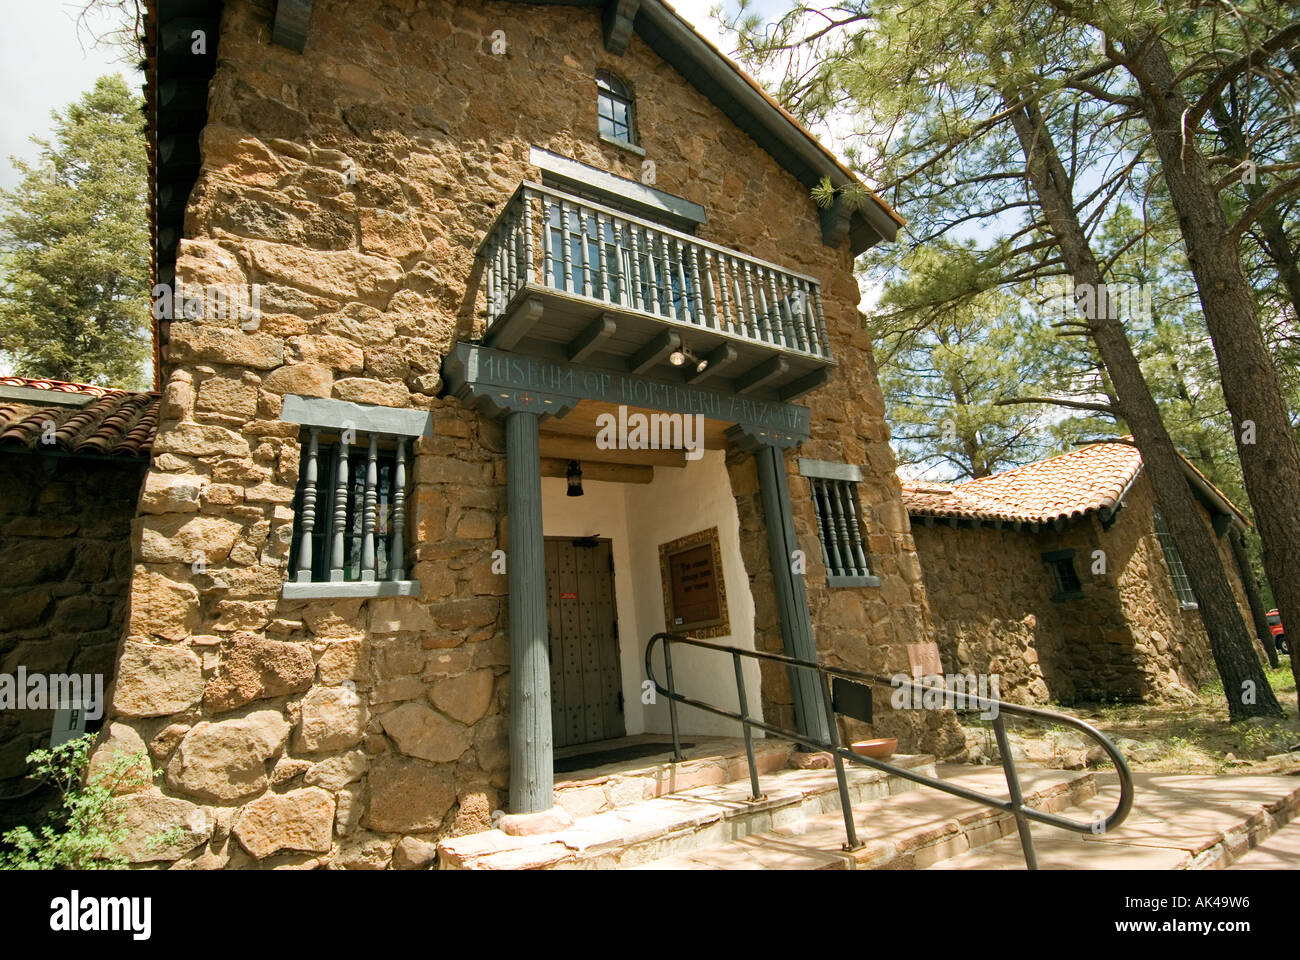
pixel 44 65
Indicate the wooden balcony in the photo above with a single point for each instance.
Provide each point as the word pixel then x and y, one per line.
pixel 570 279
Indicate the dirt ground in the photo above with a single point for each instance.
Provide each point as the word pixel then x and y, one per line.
pixel 1165 738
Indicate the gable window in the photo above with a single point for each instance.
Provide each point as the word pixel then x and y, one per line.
pixel 1174 561
pixel 834 488
pixel 614 109
pixel 350 508
pixel 1064 576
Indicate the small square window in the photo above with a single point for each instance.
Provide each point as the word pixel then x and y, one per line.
pixel 351 506
pixel 1064 576
pixel 835 502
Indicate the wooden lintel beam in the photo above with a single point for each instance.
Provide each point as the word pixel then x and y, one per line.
pixel 586 343
pixel 292 21
pixel 718 359
pixel 765 372
pixel 515 327
pixel 567 447
pixel 664 343
pixel 597 470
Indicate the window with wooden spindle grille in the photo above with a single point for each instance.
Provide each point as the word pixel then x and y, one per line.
pixel 350 510
pixel 834 489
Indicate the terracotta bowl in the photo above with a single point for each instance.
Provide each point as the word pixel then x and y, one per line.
pixel 882 748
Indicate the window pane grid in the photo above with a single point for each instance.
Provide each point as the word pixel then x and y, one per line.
pixel 1174 561
pixel 614 109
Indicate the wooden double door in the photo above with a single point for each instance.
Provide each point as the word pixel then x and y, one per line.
pixel 586 681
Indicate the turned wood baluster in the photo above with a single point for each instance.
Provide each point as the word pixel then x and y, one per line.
pixel 751 304
pixel 582 248
pixel 829 539
pixel 308 507
pixel 850 512
pixel 602 286
pixel 512 263
pixel 548 254
pixel 727 323
pixel 779 326
pixel 637 300
pixel 666 276
pixel 823 345
pixel 566 246
pixel 526 198
pixel 742 318
pixel 369 506
pixel 340 518
pixel 397 550
pixel 801 310
pixel 708 299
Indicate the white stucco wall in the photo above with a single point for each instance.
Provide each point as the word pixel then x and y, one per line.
pixel 638 518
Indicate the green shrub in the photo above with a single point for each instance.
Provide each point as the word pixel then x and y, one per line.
pixel 84 831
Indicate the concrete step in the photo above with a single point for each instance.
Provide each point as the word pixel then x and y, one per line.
pixel 1178 822
pixel 909 830
pixel 678 822
pixel 710 761
pixel 1281 851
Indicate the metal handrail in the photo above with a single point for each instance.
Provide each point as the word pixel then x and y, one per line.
pixel 607 256
pixel 1015 806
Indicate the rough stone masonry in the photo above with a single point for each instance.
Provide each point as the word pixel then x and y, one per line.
pixel 353 183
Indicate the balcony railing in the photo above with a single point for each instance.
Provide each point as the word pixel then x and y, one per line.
pixel 548 240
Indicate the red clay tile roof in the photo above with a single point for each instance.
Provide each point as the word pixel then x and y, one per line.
pixel 1087 480
pixel 116 423
pixel 1062 487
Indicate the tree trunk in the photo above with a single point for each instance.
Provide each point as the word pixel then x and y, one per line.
pixel 1273 239
pixel 1230 641
pixel 1249 584
pixel 1270 461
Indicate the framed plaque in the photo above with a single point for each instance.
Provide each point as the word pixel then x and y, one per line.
pixel 695 594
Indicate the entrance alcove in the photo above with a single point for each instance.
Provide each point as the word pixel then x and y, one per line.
pixel 628 522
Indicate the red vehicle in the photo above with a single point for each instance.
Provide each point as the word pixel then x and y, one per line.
pixel 1275 628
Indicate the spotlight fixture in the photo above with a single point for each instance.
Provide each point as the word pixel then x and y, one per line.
pixel 680 357
pixel 574 476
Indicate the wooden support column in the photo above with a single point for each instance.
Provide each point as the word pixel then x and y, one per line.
pixel 531 763
pixel 791 597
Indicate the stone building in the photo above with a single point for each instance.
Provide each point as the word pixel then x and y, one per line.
pixel 1061 578
pixel 72 459
pixel 427 269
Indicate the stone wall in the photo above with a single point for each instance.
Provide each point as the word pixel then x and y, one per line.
pixel 353 183
pixel 1127 637
pixel 64 548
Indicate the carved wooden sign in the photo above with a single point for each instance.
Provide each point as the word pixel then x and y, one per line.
pixel 695 594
